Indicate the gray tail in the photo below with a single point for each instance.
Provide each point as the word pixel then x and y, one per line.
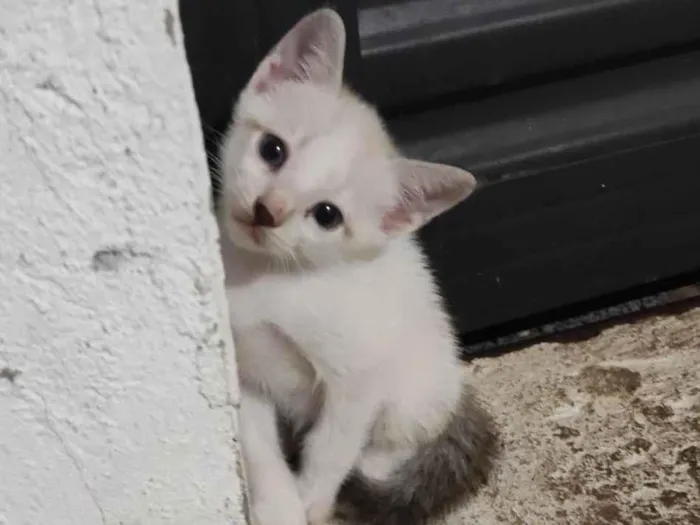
pixel 443 474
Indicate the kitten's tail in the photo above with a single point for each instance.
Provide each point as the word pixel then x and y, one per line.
pixel 441 475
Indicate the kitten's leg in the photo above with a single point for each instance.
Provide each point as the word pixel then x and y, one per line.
pixel 274 496
pixel 333 446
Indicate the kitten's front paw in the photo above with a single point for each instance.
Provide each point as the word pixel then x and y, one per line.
pixel 284 511
pixel 318 504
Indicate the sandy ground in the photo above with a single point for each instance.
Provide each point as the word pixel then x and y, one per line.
pixel 598 431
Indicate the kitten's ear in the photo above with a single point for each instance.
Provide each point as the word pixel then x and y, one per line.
pixel 426 190
pixel 312 51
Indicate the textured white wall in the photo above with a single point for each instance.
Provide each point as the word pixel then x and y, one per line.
pixel 117 380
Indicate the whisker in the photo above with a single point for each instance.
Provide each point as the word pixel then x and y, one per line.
pixel 214 158
pixel 218 133
pixel 217 169
pixel 217 176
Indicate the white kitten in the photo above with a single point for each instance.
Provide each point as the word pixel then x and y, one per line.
pixel 341 337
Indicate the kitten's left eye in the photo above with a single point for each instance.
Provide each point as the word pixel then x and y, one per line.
pixel 272 150
pixel 327 215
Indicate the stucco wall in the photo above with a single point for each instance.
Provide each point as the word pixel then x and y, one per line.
pixel 117 379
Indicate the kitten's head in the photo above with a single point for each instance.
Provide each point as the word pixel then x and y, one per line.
pixel 309 172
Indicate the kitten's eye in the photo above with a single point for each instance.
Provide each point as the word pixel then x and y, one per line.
pixel 327 215
pixel 272 150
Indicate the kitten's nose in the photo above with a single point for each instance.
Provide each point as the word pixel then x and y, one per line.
pixel 271 209
pixel 262 215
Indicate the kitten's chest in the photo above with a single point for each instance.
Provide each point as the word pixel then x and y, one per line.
pixel 282 299
pixel 263 300
pixel 268 362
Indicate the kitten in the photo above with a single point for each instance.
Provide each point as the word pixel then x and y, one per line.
pixel 340 334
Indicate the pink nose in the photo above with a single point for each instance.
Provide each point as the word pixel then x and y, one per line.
pixel 270 210
pixel 262 216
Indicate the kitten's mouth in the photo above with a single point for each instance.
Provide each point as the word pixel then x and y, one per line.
pixel 251 230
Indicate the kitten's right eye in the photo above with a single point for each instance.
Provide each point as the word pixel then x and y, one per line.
pixel 272 150
pixel 327 215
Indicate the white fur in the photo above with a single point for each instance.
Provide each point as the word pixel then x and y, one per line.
pixel 347 320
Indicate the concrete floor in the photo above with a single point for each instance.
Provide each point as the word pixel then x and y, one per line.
pixel 604 430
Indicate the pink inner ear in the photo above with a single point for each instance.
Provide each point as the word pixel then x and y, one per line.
pixel 276 72
pixel 395 219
